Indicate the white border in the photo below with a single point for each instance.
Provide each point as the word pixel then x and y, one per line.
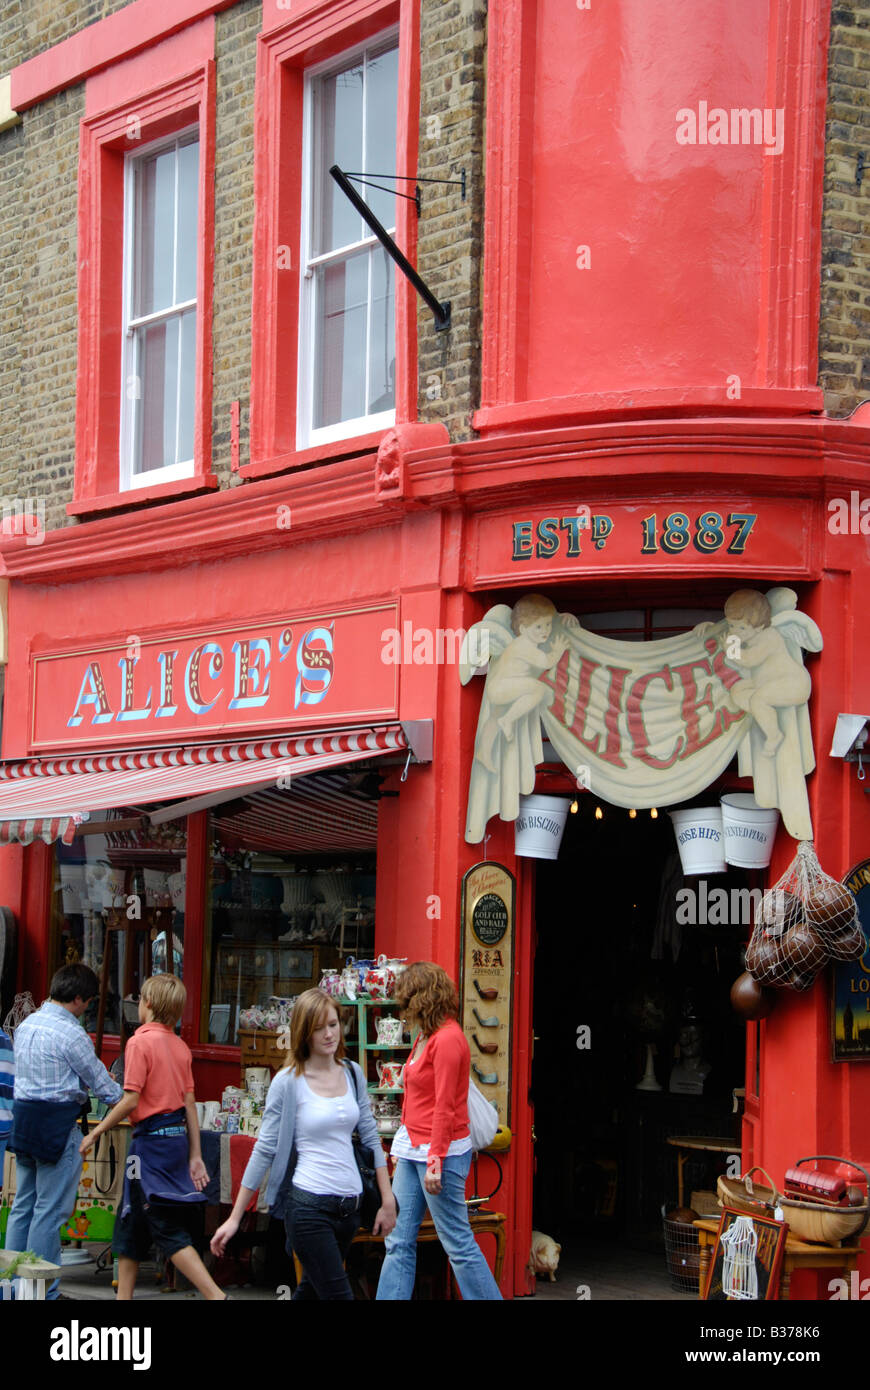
pixel 129 481
pixel 306 436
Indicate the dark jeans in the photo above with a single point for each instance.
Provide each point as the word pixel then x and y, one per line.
pixel 320 1230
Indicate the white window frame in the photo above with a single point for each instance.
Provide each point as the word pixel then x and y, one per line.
pixel 129 480
pixel 306 435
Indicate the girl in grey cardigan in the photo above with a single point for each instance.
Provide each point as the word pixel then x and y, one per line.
pixel 313 1107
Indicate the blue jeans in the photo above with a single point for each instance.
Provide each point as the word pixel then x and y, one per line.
pixel 320 1230
pixel 450 1215
pixel 45 1195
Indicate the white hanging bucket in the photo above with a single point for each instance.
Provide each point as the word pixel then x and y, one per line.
pixel 700 839
pixel 540 825
pixel 750 831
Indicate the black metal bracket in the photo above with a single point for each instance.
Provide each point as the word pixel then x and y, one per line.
pixel 414 197
pixel 859 168
pixel 440 309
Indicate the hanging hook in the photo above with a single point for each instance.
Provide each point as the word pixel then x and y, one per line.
pixel 861 773
pixel 404 776
pixel 486 840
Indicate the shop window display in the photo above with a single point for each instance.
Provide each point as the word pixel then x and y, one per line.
pixel 274 923
pixel 126 873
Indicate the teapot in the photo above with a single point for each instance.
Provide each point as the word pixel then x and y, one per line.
pixel 330 983
pixel 389 1032
pixel 380 979
pixel 390 1074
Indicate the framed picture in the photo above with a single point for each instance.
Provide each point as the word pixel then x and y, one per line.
pixel 769 1252
pixel 850 983
pixel 296 965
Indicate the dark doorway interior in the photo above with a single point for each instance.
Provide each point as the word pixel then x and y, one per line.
pixel 603 1167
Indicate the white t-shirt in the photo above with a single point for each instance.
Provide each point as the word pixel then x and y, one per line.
pixel 402 1147
pixel 324 1125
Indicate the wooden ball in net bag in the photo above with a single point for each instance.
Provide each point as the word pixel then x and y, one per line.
pixel 804 953
pixel 765 961
pixel 748 998
pixel 779 910
pixel 849 945
pixel 830 908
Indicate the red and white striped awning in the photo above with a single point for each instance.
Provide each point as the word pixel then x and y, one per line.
pixel 62 792
pixel 24 832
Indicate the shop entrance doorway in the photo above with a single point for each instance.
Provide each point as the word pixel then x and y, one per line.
pixel 615 973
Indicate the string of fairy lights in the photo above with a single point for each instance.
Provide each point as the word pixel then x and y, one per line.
pixel 599 813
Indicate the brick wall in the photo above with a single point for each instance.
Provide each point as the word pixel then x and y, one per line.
pixel 28 27
pixel 38 216
pixel 236 53
pixel 11 170
pixel 450 233
pixel 38 230
pixel 844 328
pixel 38 198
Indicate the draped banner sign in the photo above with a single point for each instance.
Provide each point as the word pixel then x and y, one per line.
pixel 643 723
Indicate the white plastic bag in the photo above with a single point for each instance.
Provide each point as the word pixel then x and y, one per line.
pixel 482 1119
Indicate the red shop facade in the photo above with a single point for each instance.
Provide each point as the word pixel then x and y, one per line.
pixel 271 672
pixel 97 661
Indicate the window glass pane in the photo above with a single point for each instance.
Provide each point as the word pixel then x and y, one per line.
pixel 188 206
pixel 338 140
pixel 683 619
pixel 382 74
pixel 612 622
pixel 154 233
pixel 93 880
pixel 340 351
pixel 382 337
pixel 273 924
pixel 187 386
pixel 159 388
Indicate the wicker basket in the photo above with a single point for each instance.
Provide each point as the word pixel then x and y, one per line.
pixel 822 1225
pixel 741 1194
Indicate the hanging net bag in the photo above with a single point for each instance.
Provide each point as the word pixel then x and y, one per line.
pixel 803 921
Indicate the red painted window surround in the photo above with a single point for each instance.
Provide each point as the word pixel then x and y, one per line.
pixel 137 26
pixel 783 374
pixel 164 89
pixel 315 32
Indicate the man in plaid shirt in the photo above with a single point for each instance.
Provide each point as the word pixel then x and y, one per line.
pixel 7 1081
pixel 55 1067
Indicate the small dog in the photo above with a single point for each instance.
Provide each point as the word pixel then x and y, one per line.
pixel 544 1255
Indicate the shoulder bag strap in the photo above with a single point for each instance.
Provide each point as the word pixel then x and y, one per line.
pixel 355 1079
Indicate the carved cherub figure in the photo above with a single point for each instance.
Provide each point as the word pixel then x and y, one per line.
pixel 775 677
pixel 513 687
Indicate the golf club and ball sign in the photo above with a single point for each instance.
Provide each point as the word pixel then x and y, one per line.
pixel 486 979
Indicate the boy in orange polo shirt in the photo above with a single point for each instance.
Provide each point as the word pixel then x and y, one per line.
pixel 169 1174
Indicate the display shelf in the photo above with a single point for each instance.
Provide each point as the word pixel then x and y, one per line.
pixel 364 1010
pixel 248 972
pixel 367 1003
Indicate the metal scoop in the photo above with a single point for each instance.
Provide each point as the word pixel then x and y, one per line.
pixel 485 1022
pixel 489 1078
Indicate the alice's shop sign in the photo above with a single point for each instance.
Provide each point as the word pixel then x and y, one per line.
pixel 299 671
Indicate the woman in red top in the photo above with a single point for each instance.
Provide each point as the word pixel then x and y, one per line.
pixel 432 1147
